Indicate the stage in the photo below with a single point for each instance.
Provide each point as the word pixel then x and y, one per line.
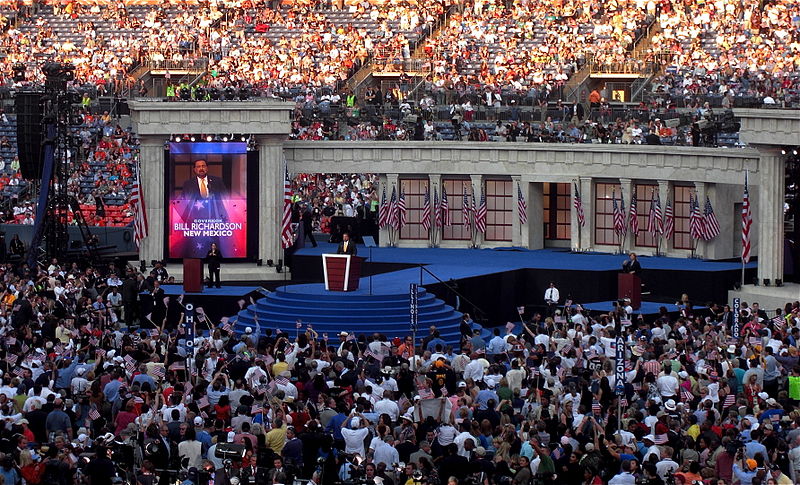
pixel 487 283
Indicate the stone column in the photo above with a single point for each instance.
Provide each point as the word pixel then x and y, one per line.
pixel 629 241
pixel 516 227
pixel 151 161
pixel 768 223
pixel 700 194
pixel 665 193
pixel 534 192
pixel 477 189
pixel 435 185
pixel 587 199
pixel 270 197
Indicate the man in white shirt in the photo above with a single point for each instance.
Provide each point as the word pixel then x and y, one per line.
pixel 388 406
pixel 385 452
pixel 355 435
pixel 667 384
pixel 551 298
pixel 474 370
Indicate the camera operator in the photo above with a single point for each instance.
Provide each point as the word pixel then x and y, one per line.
pixel 100 469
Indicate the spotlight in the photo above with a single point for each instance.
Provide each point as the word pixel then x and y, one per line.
pixel 279 268
pixel 200 94
pixel 230 93
pixel 755 281
pixel 244 93
pixel 794 152
pixel 225 138
pixel 209 138
pixel 186 94
pixel 766 282
pixel 177 138
pixel 260 262
pixel 270 263
pixel 192 138
pixel 243 138
pixel 779 282
pixel 737 286
pixel 783 152
pixel 213 93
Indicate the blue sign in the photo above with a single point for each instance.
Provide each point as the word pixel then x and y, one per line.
pixel 414 306
pixel 737 306
pixel 619 367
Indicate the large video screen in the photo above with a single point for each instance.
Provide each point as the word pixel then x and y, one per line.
pixel 207 199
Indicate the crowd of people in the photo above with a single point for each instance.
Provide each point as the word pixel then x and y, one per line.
pixel 102 378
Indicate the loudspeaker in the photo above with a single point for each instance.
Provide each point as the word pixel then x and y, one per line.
pixel 28 107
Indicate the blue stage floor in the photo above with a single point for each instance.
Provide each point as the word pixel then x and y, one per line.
pixel 173 290
pixel 465 263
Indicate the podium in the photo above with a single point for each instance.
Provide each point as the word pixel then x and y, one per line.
pixel 342 271
pixel 192 275
pixel 630 286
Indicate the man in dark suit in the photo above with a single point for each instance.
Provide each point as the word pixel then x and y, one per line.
pixel 206 194
pixel 203 185
pixel 347 246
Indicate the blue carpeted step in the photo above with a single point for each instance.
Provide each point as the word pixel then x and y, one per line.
pixel 331 313
pixel 378 301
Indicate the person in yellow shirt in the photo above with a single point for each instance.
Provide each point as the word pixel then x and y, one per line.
pixel 694 429
pixel 276 437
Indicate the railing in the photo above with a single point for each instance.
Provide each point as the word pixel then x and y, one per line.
pixel 195 64
pixel 477 312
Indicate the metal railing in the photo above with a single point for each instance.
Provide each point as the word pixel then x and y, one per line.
pixel 194 64
pixel 477 312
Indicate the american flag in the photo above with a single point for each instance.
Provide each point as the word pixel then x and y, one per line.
pixel 383 211
pixel 669 221
pixel 425 393
pixel 18 371
pixel 619 214
pixel 12 359
pixel 634 216
pixel 730 400
pixel 100 352
pixel 466 210
pixel 287 238
pixel 372 354
pixel 445 210
pixel 597 408
pixel 256 409
pixel 696 229
pixel 94 414
pixel 24 348
pixel 437 210
pixel 687 396
pixel 577 202
pixel 747 221
pixel 654 222
pixel 159 372
pixel 227 327
pixel 710 221
pixel 480 215
pixel 623 402
pixel 393 219
pixel 140 226
pixel 203 402
pixel 425 220
pixel 522 206
pixel 177 366
pixel 281 380
pixel 401 210
pixel 59 348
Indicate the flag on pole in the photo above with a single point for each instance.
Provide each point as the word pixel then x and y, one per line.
pixel 696 229
pixel 669 221
pixel 480 215
pixel 383 211
pixel 634 216
pixel 619 215
pixel 747 221
pixel 710 221
pixel 522 206
pixel 466 210
pixel 401 210
pixel 730 400
pixel 445 209
pixel 654 222
pixel 94 414
pixel 393 216
pixel 578 204
pixel 140 226
pixel 426 211
pixel 437 210
pixel 287 238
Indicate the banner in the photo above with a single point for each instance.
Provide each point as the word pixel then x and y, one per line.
pixel 414 306
pixel 737 307
pixel 208 199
